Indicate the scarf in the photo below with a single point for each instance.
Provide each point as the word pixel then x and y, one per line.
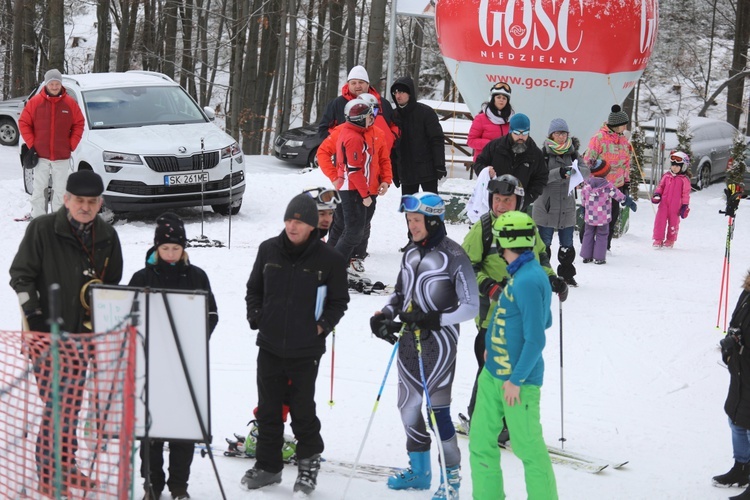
pixel 496 119
pixel 558 149
pixel 521 260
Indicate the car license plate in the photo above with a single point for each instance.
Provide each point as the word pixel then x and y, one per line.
pixel 277 149
pixel 179 179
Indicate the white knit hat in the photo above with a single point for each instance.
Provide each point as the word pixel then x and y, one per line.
pixel 358 73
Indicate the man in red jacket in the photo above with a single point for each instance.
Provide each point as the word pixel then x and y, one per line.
pixel 52 125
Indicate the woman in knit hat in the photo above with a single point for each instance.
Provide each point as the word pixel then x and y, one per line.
pixel 555 209
pixel 167 266
pixel 492 121
pixel 611 145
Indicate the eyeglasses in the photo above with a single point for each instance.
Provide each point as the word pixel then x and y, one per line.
pixel 501 86
pixel 323 196
pixel 411 203
pixel 505 188
pixel 520 132
pixel 559 133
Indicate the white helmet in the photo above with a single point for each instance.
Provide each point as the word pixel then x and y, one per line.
pixel 681 159
pixel 356 112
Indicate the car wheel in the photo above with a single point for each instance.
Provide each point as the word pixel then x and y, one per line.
pixel 8 132
pixel 704 176
pixel 312 158
pixel 224 208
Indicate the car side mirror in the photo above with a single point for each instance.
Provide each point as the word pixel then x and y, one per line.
pixel 209 112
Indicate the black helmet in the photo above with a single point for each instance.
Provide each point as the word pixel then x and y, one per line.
pixel 506 185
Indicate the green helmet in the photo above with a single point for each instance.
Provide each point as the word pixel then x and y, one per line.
pixel 514 230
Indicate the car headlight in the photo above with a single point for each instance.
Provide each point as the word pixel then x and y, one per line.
pixel 232 150
pixel 112 157
pixel 294 144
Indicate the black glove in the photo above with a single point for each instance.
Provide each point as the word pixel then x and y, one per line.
pixel 441 172
pixel 253 317
pixel 418 319
pixel 733 202
pixel 626 188
pixel 385 328
pixel 36 321
pixel 559 287
pixel 492 289
pixel 564 172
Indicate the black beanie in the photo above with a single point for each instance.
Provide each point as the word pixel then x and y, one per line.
pixel 617 117
pixel 304 209
pixel 169 229
pixel 84 183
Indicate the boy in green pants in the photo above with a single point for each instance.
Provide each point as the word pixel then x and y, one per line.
pixel 510 383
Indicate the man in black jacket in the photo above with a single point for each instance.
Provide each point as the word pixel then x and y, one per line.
pixel 418 158
pixel 296 294
pixel 518 155
pixel 72 247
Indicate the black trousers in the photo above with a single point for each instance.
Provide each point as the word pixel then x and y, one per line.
pixel 180 458
pixel 337 229
pixel 428 187
pixel 276 376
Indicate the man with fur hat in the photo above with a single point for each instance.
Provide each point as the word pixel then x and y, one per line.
pixel 168 266
pixel 71 248
pixel 357 83
pixel 518 155
pixel 293 273
pixel 51 125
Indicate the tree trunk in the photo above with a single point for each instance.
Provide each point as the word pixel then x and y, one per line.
pixel 122 42
pixel 202 50
pixel 238 32
pixel 210 90
pixel 170 38
pixel 56 52
pixel 291 60
pixel 103 37
pixel 314 79
pixel 735 90
pixel 269 47
pixel 351 33
pixel 376 44
pixel 148 44
pixel 335 40
pixel 250 79
pixel 187 80
pixel 415 55
pixel 24 48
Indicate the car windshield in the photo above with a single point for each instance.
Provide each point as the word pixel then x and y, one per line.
pixel 140 106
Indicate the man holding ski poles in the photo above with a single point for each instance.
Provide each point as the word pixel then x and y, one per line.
pixel 435 291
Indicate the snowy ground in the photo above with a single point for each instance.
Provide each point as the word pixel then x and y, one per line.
pixel 643 380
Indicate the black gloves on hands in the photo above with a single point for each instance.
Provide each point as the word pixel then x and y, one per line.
pixel 559 287
pixel 441 172
pixel 385 328
pixel 565 172
pixel 253 317
pixel 418 319
pixel 492 289
pixel 733 202
pixel 36 321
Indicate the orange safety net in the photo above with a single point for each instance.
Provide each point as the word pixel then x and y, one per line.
pixel 81 446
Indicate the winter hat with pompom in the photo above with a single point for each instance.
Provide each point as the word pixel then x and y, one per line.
pixel 617 117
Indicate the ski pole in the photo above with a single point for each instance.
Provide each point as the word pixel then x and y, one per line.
pixel 333 358
pixel 729 263
pixel 231 178
pixel 724 272
pixel 562 417
pixel 372 415
pixel 449 491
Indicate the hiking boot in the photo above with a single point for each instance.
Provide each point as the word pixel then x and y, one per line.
pixel 600 261
pixel 307 477
pixel 257 478
pixel 571 282
pixel 586 261
pixel 738 475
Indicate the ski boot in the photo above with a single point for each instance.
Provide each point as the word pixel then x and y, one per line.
pixel 289 450
pixel 463 425
pixel 738 475
pixel 307 477
pixel 454 483
pixel 745 495
pixel 417 476
pixel 258 478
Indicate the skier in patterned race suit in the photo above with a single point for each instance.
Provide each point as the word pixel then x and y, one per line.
pixel 435 291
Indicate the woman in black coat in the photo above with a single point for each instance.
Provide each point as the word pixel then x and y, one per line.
pixel 736 354
pixel 168 266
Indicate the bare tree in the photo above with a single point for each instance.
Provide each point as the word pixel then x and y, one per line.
pixel 351 32
pixel 170 38
pixel 335 41
pixel 376 43
pixel 736 89
pixel 56 19
pixel 24 43
pixel 103 37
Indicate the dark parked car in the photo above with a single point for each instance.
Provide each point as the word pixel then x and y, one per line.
pixel 298 146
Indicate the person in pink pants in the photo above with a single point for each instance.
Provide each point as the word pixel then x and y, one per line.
pixel 673 198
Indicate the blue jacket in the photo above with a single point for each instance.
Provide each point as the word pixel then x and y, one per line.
pixel 515 338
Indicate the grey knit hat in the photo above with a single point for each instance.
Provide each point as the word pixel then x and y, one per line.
pixel 617 117
pixel 304 209
pixel 52 75
pixel 557 125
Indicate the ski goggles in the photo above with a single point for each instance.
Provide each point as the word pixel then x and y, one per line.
pixel 504 188
pixel 323 196
pixel 677 159
pixel 520 132
pixel 414 204
pixel 500 88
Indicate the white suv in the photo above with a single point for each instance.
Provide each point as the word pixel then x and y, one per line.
pixel 153 145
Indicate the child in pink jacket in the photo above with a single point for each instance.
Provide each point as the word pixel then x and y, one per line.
pixel 673 198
